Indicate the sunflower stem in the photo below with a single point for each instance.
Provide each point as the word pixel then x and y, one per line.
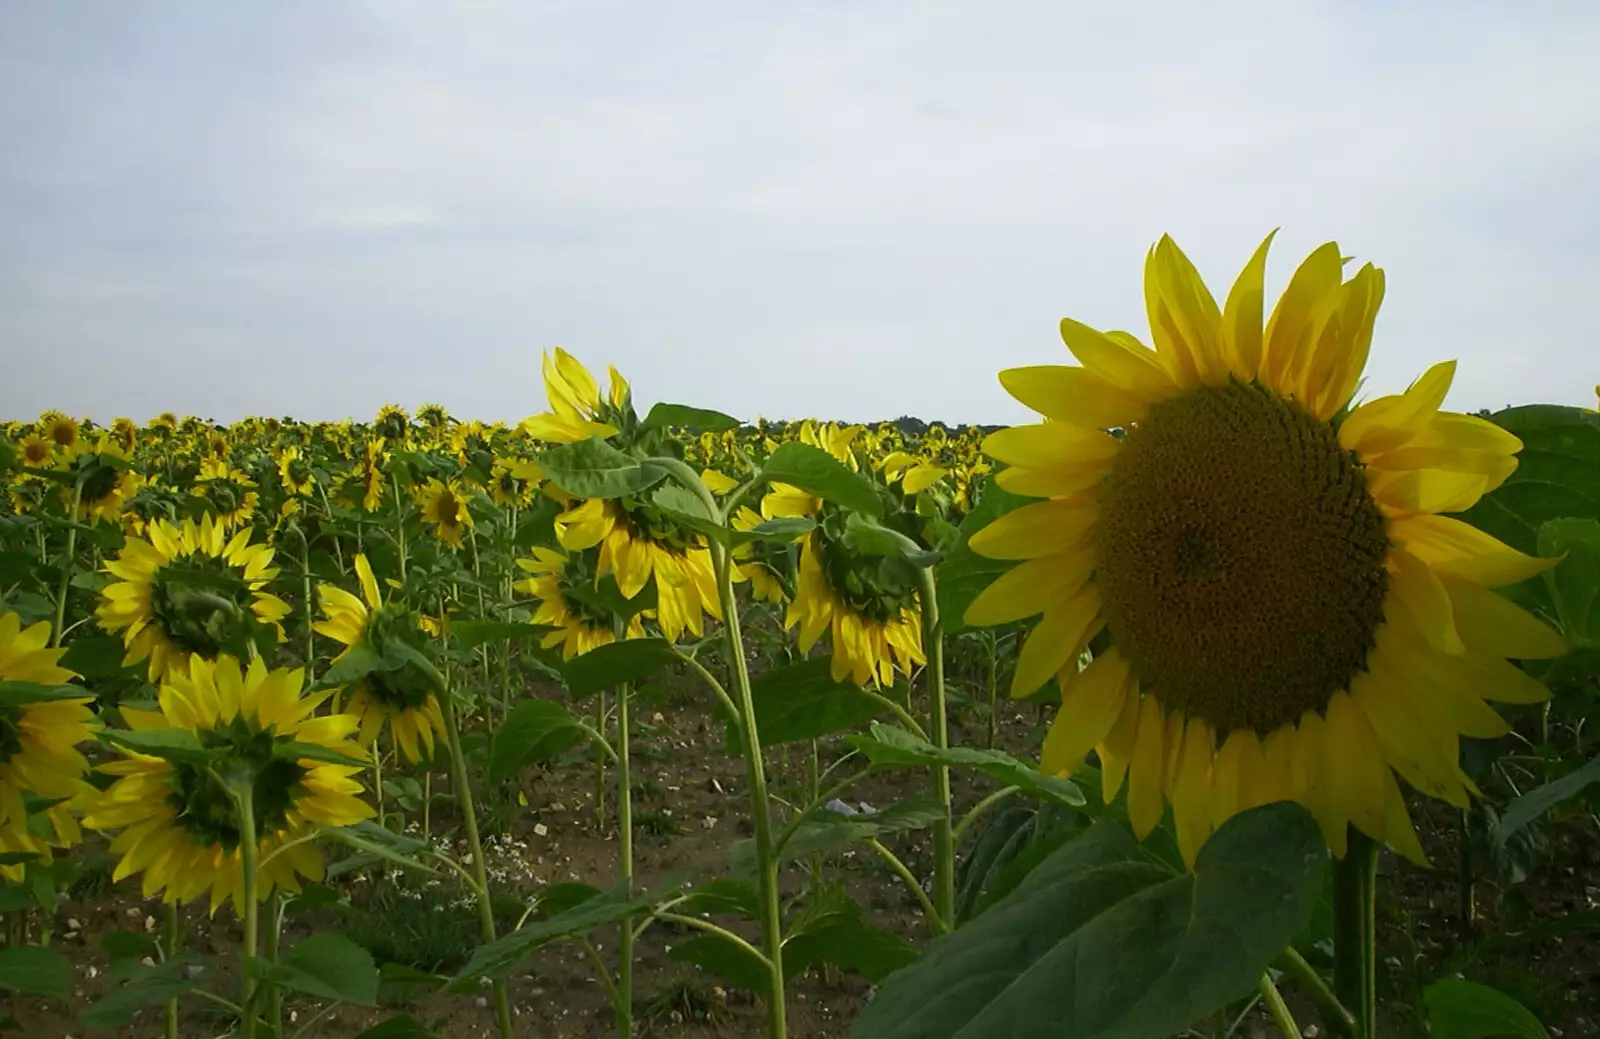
pixel 944 845
pixel 274 941
pixel 57 632
pixel 1339 1020
pixel 169 952
pixel 458 776
pixel 244 797
pixel 750 745
pixel 399 526
pixel 1355 881
pixel 624 995
pixel 1277 1008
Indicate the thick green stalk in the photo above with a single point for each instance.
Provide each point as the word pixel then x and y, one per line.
pixel 169 953
pixel 600 763
pixel 244 797
pixel 59 630
pixel 1277 1008
pixel 399 526
pixel 944 845
pixel 311 606
pixel 1355 881
pixel 458 776
pixel 624 996
pixel 274 942
pixel 1339 1020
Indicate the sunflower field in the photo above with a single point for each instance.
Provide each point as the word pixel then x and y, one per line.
pixel 1230 698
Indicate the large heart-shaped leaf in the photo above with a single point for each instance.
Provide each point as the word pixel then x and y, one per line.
pixel 326 965
pixel 35 971
pixel 535 730
pixel 594 469
pixel 605 667
pixel 802 701
pixel 1574 584
pixel 146 986
pixel 1098 943
pixel 817 472
pixel 1460 1009
pixel 664 416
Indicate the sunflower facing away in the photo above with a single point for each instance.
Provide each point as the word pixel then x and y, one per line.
pixel 230 493
pixel 577 625
pixel 577 411
pixel 294 469
pixel 190 591
pixel 1288 614
pixel 638 541
pixel 38 745
pixel 402 696
pixel 181 828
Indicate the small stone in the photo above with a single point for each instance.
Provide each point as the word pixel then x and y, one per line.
pixel 92 971
pixel 150 925
pixel 658 719
pixel 558 807
pixel 1311 1031
pixel 133 912
pixel 714 787
pixel 73 924
pixel 193 970
pixel 709 821
pixel 148 961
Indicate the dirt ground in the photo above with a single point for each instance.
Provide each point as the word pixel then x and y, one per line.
pixel 690 807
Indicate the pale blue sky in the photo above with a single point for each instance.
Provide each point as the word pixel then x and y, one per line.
pixel 846 209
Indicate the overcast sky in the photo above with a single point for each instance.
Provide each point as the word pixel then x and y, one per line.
pixel 848 209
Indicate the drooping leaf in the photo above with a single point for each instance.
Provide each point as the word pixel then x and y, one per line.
pixel 170 744
pixel 1460 1009
pixel 145 986
pixel 469 634
pixel 35 971
pixel 868 537
pixel 802 701
pixel 824 829
pixel 815 471
pixel 728 895
pixel 784 529
pixel 374 843
pixel 96 656
pixel 890 745
pixel 605 667
pixel 128 945
pixel 733 963
pixel 358 662
pixel 594 469
pixel 326 965
pixel 1533 804
pixel 535 730
pixel 496 958
pixel 1574 584
pixel 1098 943
pixel 18 694
pixel 681 416
pixel 296 750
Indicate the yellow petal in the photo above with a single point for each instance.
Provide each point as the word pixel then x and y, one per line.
pixel 1091 701
pixel 1040 529
pixel 1456 549
pixel 1490 622
pixel 1058 637
pixel 1074 396
pixel 1389 422
pixel 1242 314
pixel 1144 777
pixel 1417 590
pixel 1135 370
pixel 1030 588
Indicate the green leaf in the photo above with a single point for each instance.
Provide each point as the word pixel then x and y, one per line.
pixel 889 745
pixel 725 895
pixel 815 471
pixel 402 1027
pixel 665 416
pixel 802 701
pixel 34 971
pixel 96 656
pixel 872 953
pixel 734 964
pixel 1464 1010
pixel 824 829
pixel 558 898
pixel 128 945
pixel 594 469
pixel 146 986
pixel 178 745
pixel 498 957
pixel 326 965
pixel 295 750
pixel 963 573
pixel 1098 943
pixel 375 843
pixel 20 694
pixel 1533 804
pixel 358 662
pixel 470 635
pixel 784 529
pixel 535 730
pixel 312 897
pixel 605 667
pixel 871 538
pixel 1574 583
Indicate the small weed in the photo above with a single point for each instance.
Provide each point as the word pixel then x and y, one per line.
pixel 430 928
pixel 658 822
pixel 685 1001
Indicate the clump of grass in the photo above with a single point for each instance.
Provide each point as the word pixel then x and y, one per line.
pixel 432 928
pixel 685 1001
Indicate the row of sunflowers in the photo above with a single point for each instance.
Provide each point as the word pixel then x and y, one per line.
pixel 1248 599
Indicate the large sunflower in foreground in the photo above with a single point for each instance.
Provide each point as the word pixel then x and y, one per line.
pixel 182 829
pixel 1288 613
pixel 38 745
pixel 403 697
pixel 638 541
pixel 190 591
pixel 577 411
pixel 577 624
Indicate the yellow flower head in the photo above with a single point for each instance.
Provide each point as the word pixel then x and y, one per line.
pixel 230 493
pixel 190 592
pixel 577 626
pixel 1288 613
pixel 182 828
pixel 36 451
pixel 444 506
pixel 58 428
pixel 402 697
pixel 577 411
pixel 38 745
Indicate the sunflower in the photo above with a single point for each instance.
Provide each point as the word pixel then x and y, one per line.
pixel 445 506
pixel 58 428
pixel 638 541
pixel 125 433
pixel 514 481
pixel 38 745
pixel 578 623
pixel 402 696
pixel 433 416
pixel 369 474
pixel 104 472
pixel 913 474
pixel 165 422
pixel 190 592
pixel 392 423
pixel 228 491
pixel 181 827
pixel 37 451
pixel 764 580
pixel 577 411
pixel 1287 613
pixel 868 604
pixel 217 446
pixel 294 469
